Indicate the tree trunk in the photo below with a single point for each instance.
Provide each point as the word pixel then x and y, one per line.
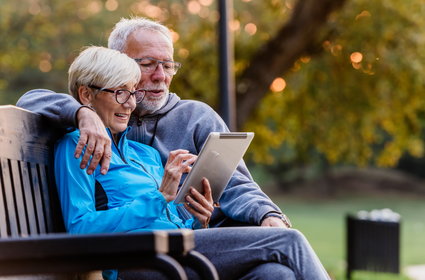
pixel 279 54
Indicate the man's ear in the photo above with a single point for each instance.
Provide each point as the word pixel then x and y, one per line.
pixel 85 95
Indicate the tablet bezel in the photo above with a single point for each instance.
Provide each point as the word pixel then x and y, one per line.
pixel 233 151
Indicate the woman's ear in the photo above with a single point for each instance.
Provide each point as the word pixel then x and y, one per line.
pixel 85 95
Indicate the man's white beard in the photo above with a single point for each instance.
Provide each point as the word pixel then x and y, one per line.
pixel 150 105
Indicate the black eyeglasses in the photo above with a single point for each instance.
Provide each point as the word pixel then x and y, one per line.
pixel 149 65
pixel 122 95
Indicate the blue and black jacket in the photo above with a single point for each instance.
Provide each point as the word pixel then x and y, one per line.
pixel 126 199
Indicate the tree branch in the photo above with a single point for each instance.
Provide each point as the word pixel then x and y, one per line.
pixel 279 54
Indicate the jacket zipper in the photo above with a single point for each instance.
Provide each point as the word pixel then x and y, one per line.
pixel 157 187
pixel 144 169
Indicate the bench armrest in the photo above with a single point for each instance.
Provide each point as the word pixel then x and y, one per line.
pixel 179 241
pixel 60 253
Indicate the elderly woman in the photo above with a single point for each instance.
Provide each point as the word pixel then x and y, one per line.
pixel 135 194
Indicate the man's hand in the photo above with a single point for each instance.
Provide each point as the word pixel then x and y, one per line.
pixel 200 205
pixel 94 137
pixel 273 222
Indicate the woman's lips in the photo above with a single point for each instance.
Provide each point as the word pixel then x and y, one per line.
pixel 122 116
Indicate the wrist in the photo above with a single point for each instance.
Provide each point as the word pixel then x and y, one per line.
pixel 280 216
pixel 168 197
pixel 79 115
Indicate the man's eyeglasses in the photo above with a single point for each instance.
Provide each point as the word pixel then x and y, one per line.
pixel 149 65
pixel 122 95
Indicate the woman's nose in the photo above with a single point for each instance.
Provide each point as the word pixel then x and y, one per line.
pixel 131 102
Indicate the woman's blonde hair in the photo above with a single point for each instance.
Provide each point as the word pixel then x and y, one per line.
pixel 102 67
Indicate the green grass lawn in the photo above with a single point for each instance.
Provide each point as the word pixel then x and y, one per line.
pixel 323 223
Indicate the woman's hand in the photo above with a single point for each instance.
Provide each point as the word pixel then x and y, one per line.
pixel 200 206
pixel 178 163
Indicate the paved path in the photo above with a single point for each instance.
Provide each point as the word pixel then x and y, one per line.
pixel 416 272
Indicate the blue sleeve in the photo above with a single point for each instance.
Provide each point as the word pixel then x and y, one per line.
pixel 242 200
pixel 59 108
pixel 76 194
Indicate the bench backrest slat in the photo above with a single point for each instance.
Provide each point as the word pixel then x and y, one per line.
pixel 12 223
pixel 29 202
pixel 46 181
pixel 3 207
pixel 39 208
pixel 19 198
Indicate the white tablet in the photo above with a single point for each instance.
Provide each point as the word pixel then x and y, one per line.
pixel 217 161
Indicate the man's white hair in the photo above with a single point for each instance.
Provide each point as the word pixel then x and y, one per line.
pixel 102 67
pixel 119 35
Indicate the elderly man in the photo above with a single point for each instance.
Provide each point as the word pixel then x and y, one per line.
pixel 167 123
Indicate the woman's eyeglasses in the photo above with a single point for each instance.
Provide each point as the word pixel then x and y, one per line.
pixel 122 95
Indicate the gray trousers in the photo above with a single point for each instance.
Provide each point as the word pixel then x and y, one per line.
pixel 254 253
pixel 259 253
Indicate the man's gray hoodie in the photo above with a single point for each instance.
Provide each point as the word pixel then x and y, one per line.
pixel 179 124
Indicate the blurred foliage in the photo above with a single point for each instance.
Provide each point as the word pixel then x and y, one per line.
pixel 358 99
pixel 39 40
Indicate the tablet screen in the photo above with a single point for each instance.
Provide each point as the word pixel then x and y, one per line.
pixel 217 161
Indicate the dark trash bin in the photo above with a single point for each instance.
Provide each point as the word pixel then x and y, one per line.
pixel 373 241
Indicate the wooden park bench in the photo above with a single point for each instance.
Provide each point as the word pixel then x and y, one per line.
pixel 33 242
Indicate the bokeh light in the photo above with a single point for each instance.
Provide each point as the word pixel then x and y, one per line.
pixel 205 2
pixel 250 28
pixel 183 53
pixel 356 57
pixel 363 14
pixel 153 11
pixel 279 84
pixel 175 36
pixel 234 25
pixel 193 7
pixel 336 49
pixel 111 5
pixel 94 7
pixel 305 59
pixel 45 66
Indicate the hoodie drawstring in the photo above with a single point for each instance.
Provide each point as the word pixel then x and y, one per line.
pixel 154 130
pixel 139 123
